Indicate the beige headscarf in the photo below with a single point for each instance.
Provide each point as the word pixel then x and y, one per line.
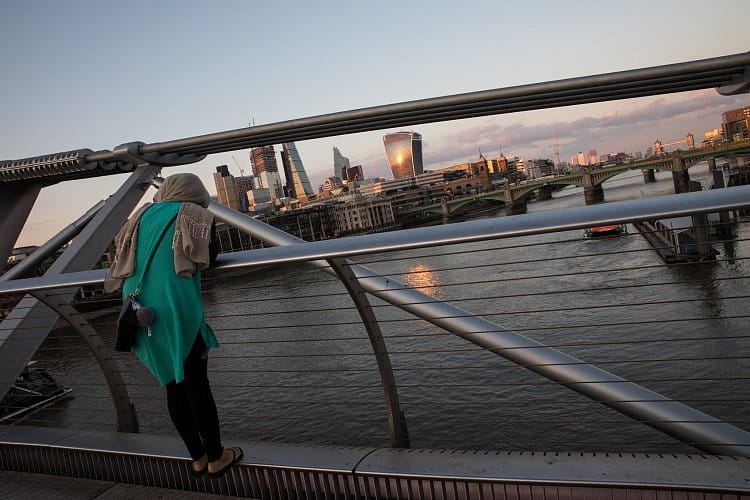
pixel 191 237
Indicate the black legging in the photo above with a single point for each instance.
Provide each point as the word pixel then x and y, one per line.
pixel 192 407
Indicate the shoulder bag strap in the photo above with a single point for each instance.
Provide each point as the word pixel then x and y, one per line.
pixel 137 290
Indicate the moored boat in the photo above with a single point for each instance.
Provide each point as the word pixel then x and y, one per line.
pixel 34 388
pixel 610 230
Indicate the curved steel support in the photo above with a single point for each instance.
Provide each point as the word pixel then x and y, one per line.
pixel 82 253
pixel 126 419
pixel 396 420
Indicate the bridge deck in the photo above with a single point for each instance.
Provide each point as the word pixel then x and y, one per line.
pixel 281 470
pixel 48 487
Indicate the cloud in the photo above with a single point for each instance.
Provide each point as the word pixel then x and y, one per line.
pixel 624 131
pixel 630 125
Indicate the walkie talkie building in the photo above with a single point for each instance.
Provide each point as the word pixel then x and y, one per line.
pixel 404 151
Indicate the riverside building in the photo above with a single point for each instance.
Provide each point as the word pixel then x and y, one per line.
pixel 363 214
pixel 539 168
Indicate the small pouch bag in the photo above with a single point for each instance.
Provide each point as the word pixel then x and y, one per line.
pixel 133 314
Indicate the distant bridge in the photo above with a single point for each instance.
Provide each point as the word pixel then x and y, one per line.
pixel 513 196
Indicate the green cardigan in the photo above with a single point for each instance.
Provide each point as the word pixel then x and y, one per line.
pixel 176 301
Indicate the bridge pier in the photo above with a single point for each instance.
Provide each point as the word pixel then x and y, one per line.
pixel 516 207
pixel 445 210
pixel 593 195
pixel 680 176
pixel 544 193
pixel 649 176
pixel 723 229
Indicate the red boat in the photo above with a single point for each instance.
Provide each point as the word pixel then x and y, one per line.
pixel 611 230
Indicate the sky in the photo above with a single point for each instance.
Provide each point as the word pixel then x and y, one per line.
pixel 98 73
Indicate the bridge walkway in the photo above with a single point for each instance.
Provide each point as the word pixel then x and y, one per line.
pixel 25 485
pixel 537 358
pixel 109 461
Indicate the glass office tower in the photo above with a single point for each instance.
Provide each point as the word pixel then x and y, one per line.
pixel 404 151
pixel 298 185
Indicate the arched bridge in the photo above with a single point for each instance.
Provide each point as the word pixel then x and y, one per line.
pixel 513 196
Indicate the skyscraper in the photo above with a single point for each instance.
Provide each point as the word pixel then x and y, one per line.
pixel 266 170
pixel 340 163
pixel 592 157
pixel 404 151
pixel 735 123
pixel 242 185
pixel 272 181
pixel 263 159
pixel 226 188
pixel 582 159
pixel 298 185
pixel 354 173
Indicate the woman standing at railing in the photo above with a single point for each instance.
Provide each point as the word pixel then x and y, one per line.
pixel 160 253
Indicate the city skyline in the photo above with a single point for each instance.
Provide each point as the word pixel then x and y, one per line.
pixel 199 83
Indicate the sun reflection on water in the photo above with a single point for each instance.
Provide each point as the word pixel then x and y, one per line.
pixel 423 278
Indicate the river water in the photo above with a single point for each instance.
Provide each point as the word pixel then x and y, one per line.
pixel 296 365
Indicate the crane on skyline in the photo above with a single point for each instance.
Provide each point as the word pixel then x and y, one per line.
pixel 242 172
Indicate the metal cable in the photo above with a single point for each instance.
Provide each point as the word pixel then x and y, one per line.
pixel 379 403
pixel 483 297
pixel 581 308
pixel 468 283
pixel 445 334
pixel 576 273
pixel 520 311
pixel 603 254
pixel 524 278
pixel 348 420
pixel 540 243
pixel 538 261
pixel 555 327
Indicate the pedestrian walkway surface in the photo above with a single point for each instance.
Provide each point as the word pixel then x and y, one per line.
pixel 22 485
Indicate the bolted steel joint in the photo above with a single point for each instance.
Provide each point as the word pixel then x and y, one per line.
pixel 740 84
pixel 130 153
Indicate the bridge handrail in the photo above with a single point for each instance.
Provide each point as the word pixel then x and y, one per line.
pixel 718 72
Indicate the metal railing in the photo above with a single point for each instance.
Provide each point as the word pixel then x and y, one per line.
pixel 505 333
pixel 728 74
pixel 293 366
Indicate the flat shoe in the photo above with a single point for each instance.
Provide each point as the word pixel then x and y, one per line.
pixel 199 473
pixel 236 457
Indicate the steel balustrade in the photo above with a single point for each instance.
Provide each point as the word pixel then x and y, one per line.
pixel 550 363
pixel 21 180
